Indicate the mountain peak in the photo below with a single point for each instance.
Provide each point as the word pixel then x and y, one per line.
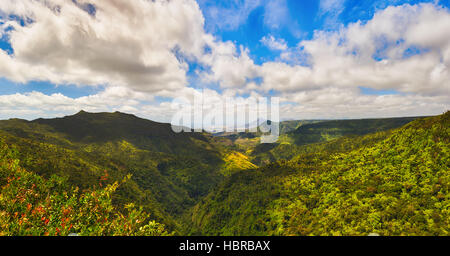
pixel 107 126
pixel 115 114
pixel 81 112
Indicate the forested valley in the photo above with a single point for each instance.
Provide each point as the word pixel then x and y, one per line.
pixel 117 174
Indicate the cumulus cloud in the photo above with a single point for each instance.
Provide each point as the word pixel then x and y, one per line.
pixel 112 98
pixel 404 48
pixel 228 67
pixel 376 54
pixel 335 103
pixel 141 49
pixel 120 43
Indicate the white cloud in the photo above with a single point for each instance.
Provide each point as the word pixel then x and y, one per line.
pixel 340 62
pixel 273 43
pixel 345 58
pixel 37 104
pixel 228 67
pixel 110 97
pixel 126 43
pixel 335 103
pixel 137 50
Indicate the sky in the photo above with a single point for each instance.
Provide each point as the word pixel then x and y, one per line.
pixel 324 59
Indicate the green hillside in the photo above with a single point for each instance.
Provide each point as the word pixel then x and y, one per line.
pixel 328 130
pixel 293 143
pixel 392 183
pixel 246 141
pixel 170 171
pixel 333 181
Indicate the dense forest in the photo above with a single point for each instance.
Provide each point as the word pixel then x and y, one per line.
pixel 391 183
pixel 345 177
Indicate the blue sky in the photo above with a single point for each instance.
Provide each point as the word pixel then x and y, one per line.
pixel 294 20
pixel 269 47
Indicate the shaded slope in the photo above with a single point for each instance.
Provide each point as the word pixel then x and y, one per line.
pixel 87 127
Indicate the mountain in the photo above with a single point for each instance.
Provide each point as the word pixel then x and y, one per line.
pixel 204 184
pixel 245 141
pixel 105 127
pixel 170 171
pixel 327 130
pixel 292 125
pixel 391 183
pixel 291 143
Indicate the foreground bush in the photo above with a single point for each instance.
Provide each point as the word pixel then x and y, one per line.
pixel 31 205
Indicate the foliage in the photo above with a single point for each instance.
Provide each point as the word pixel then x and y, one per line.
pixel 235 161
pixel 170 171
pixel 329 130
pixel 392 183
pixel 322 178
pixel 31 205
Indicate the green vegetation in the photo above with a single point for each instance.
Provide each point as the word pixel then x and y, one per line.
pixel 31 205
pixel 329 130
pixel 293 143
pixel 348 177
pixel 234 162
pixel 246 141
pixel 392 183
pixel 170 171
